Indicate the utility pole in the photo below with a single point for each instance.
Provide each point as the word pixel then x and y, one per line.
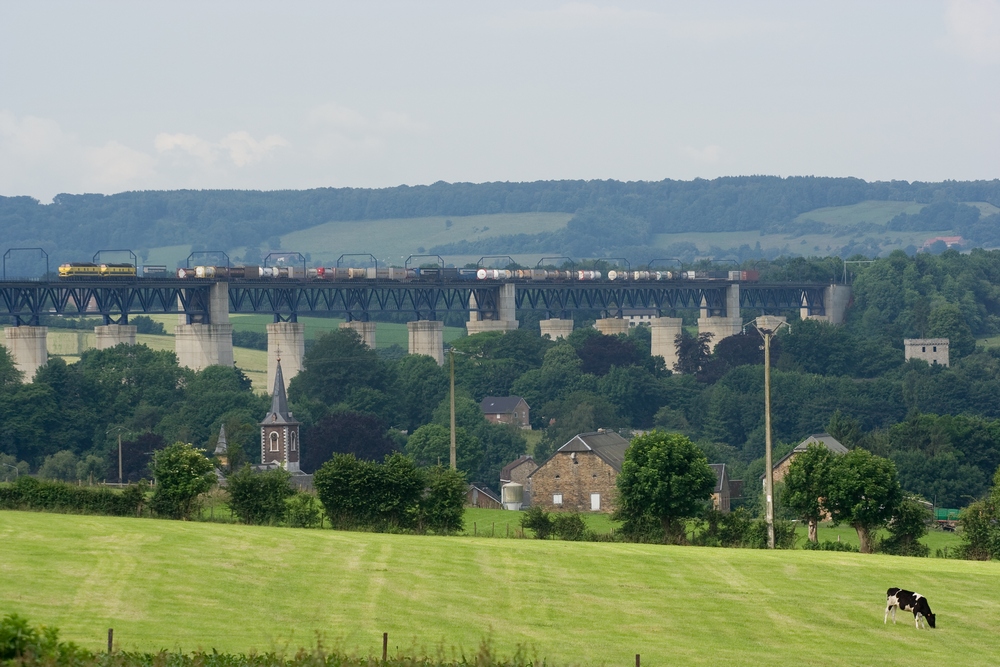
pixel 119 456
pixel 454 457
pixel 766 325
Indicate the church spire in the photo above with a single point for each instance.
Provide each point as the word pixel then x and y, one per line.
pixel 279 413
pixel 221 447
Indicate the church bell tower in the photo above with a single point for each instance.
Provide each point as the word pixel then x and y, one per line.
pixel 279 432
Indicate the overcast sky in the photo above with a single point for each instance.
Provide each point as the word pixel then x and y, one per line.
pixel 113 96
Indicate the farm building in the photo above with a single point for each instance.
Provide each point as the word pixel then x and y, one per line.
pixel 824 439
pixel 478 495
pixel 725 489
pixel 517 471
pixel 581 475
pixel 506 410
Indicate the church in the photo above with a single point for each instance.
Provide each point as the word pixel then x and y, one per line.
pixel 279 432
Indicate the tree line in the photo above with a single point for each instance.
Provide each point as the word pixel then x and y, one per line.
pixel 607 214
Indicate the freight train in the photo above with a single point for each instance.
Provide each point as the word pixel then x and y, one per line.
pixel 393 274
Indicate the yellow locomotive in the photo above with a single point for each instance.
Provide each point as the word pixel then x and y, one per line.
pixel 91 270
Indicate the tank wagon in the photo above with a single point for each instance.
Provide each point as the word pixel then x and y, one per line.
pixel 394 274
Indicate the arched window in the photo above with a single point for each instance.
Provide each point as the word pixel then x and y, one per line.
pixel 291 442
pixel 274 441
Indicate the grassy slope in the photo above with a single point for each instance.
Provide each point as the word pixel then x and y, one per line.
pixel 187 585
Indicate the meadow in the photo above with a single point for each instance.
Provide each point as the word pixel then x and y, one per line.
pixel 181 585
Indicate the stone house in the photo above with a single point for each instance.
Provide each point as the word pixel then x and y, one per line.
pixel 580 476
pixel 507 410
pixel 824 439
pixel 517 471
pixel 931 350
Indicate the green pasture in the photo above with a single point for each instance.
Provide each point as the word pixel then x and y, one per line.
pixel 182 585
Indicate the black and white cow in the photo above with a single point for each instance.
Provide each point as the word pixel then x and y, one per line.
pixel 907 601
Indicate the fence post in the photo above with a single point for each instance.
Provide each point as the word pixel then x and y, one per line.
pixel 385 646
pixel 636 660
pixel 111 638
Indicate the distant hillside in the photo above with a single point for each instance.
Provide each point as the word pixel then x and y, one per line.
pixel 606 216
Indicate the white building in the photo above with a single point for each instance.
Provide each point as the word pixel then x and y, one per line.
pixel 931 350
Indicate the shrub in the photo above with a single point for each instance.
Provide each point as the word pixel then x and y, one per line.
pixel 569 526
pixel 379 496
pixel 182 474
pixel 28 493
pixel 303 510
pixel 828 545
pixel 539 521
pixel 259 497
pixel 442 505
pixel 20 641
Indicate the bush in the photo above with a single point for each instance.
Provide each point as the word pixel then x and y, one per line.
pixel 738 529
pixel 20 641
pixel 828 545
pixel 146 325
pixel 907 526
pixel 182 473
pixel 365 494
pixel 569 526
pixel 303 510
pixel 259 497
pixel 442 506
pixel 28 493
pixel 539 521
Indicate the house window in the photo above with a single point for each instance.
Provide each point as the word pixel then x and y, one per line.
pixel 291 441
pixel 935 348
pixel 274 441
pixel 557 499
pixel 923 349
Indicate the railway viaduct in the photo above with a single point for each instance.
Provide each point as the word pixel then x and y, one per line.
pixel 203 334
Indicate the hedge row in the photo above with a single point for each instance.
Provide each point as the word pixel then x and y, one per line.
pixel 29 493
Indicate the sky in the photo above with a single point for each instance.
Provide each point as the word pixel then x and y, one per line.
pixel 114 96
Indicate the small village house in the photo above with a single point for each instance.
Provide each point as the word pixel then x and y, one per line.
pixel 581 475
pixel 506 410
pixel 823 439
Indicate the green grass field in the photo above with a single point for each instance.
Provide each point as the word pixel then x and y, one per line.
pixel 166 584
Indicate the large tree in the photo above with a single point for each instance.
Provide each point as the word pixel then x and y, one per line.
pixel 806 485
pixel 664 479
pixel 182 473
pixel 864 492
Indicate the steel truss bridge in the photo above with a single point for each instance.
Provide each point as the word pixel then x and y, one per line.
pixel 115 299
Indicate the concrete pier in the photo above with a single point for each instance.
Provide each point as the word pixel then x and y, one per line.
pixel 199 346
pixel 364 329
pixel 111 335
pixel 664 332
pixel 609 326
pixel 286 340
pixel 427 337
pixel 722 325
pixel 555 328
pixel 27 346
pixel 202 344
pixel 836 299
pixel 505 318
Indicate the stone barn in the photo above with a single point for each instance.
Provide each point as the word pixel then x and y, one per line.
pixel 823 439
pixel 581 475
pixel 518 471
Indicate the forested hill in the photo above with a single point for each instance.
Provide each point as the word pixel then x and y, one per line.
pixel 609 213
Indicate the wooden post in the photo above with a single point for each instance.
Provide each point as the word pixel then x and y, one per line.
pixel 475 529
pixel 636 660
pixel 493 530
pixel 508 529
pixel 385 646
pixel 111 638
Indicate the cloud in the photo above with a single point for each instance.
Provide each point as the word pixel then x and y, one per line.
pixel 974 28
pixel 36 150
pixel 707 155
pixel 240 148
pixel 339 131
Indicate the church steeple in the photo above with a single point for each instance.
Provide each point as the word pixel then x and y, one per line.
pixel 279 432
pixel 222 447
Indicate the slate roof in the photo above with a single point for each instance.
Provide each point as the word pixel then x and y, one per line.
pixel 500 405
pixel 279 415
pixel 608 445
pixel 509 468
pixel 220 447
pixel 720 471
pixel 824 439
